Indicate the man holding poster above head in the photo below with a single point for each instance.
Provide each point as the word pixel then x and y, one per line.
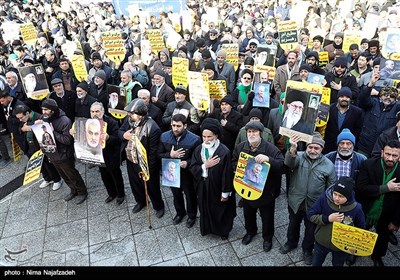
pixel 262 151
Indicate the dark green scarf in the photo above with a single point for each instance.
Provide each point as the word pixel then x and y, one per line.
pixel 243 90
pixel 375 211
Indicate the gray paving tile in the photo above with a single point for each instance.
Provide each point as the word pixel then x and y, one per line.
pixel 170 244
pixel 201 258
pixel 148 249
pixel 12 244
pixel 77 257
pixel 31 221
pixel 111 248
pixel 99 229
pixel 21 198
pixel 272 258
pixel 5 204
pixel 57 212
pixel 67 237
pixel 178 262
pixel 76 212
pixel 34 242
pixel 120 225
pixel 53 259
pixel 224 255
pixel 129 259
pixel 194 243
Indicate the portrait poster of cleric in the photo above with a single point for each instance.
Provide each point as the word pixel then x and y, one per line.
pixel 261 95
pixel 116 99
pixel 88 144
pixel 44 134
pixel 266 55
pixel 171 172
pixel 255 174
pixel 299 113
pixel 34 81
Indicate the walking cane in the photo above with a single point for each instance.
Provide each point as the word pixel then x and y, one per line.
pixel 141 175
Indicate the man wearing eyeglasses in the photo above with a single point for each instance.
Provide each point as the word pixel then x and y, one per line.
pixel 292 118
pixel 340 77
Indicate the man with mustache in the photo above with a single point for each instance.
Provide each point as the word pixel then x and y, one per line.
pixel 262 151
pixel 310 174
pixel 347 163
pixel 378 190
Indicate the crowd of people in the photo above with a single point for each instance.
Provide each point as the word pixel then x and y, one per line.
pixel 348 172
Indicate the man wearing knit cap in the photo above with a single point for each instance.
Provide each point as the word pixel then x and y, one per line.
pixel 99 65
pixel 225 69
pixel 338 78
pixel 211 166
pixel 184 107
pixel 230 120
pixel 336 45
pixel 342 114
pixel 378 191
pixel 65 99
pixel 336 204
pixel 262 151
pixel 311 174
pixel 312 59
pixel 304 69
pixel 63 157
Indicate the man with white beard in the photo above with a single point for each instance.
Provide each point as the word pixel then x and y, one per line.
pixel 292 118
pixel 311 173
pixel 263 151
pixel 347 163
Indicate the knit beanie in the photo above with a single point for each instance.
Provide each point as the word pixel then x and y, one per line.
pixel 101 74
pixel 83 86
pixel 255 125
pixel 255 112
pixel 50 104
pixel 344 186
pixel 222 53
pixel 227 99
pixel 317 139
pixel 346 135
pixel 345 91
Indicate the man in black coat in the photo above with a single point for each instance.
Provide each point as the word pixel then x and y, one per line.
pixel 378 190
pixel 65 99
pixel 262 151
pixel 148 133
pixel 110 174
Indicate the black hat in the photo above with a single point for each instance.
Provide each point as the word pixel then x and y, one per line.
pixel 227 99
pixel 200 43
pixel 181 89
pixel 209 65
pixel 255 112
pixel 345 91
pixel 364 40
pixel 270 34
pixel 340 61
pixel 248 61
pixel 137 106
pixel 56 81
pixel 83 85
pixel 213 31
pixel 255 125
pixel 247 71
pixel 377 61
pixel 313 54
pixel 160 72
pixel 305 66
pixel 168 63
pixel 211 124
pixel 205 54
pixel 344 186
pixel 96 55
pixel 50 104
pixel 29 60
pixel 184 49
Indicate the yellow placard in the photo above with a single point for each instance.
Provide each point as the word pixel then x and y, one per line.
pixel 199 90
pixel 156 40
pixel 114 45
pixel 217 89
pixel 350 37
pixel 78 64
pixel 323 58
pixel 118 114
pixel 33 167
pixel 232 54
pixel 28 33
pixel 142 157
pixel 287 31
pixel 264 68
pixel 353 240
pixel 246 183
pixel 17 153
pixel 180 68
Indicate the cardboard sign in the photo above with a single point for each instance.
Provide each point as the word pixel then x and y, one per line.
pixel 33 167
pixel 250 177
